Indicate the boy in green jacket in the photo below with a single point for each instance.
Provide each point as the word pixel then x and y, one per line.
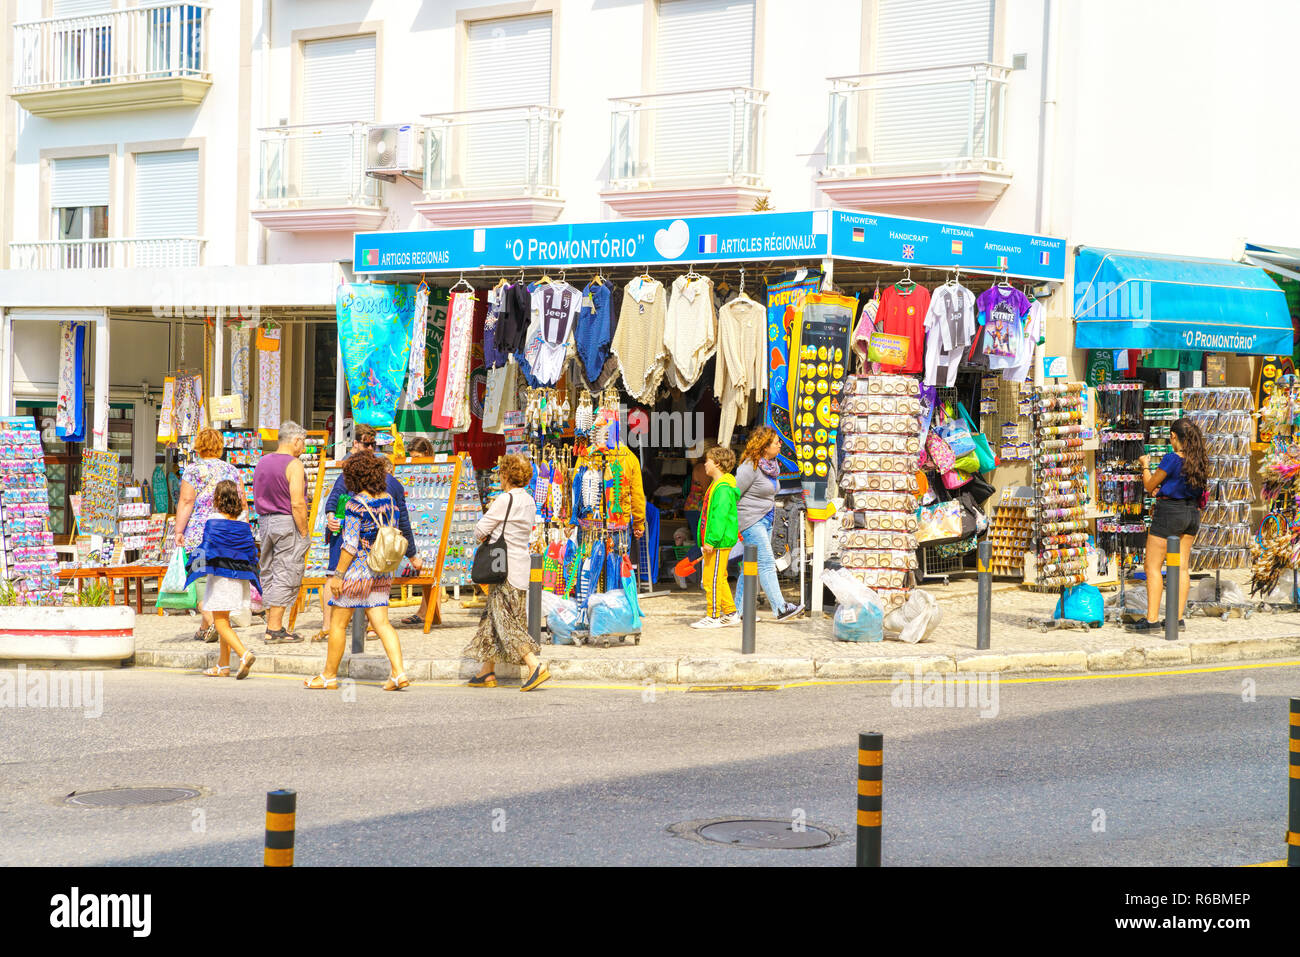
pixel 718 533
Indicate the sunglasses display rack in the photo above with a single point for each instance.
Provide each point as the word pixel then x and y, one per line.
pixel 878 428
pixel 313 462
pixel 27 557
pixel 1123 435
pixel 1226 417
pixel 1060 491
pixel 318 553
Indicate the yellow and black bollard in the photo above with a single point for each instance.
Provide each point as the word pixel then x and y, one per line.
pixel 983 594
pixel 1173 582
pixel 870 779
pixel 1293 790
pixel 535 599
pixel 281 807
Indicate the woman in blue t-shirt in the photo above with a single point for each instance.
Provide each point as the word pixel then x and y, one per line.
pixel 1178 484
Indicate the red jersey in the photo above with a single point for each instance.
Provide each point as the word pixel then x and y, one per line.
pixel 904 315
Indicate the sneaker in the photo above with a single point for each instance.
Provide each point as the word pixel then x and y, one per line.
pixel 1144 625
pixel 732 619
pixel 789 612
pixel 1182 624
pixel 708 623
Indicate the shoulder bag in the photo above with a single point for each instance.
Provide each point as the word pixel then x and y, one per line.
pixel 491 560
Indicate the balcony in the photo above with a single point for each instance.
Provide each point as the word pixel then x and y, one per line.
pixel 313 178
pixel 695 152
pixel 488 167
pixel 139 58
pixel 161 252
pixel 908 137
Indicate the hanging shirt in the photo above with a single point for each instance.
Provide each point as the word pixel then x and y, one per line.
pixel 949 328
pixel 513 318
pixel 865 327
pixel 690 330
pixel 594 329
pixel 493 357
pixel 1002 310
pixel 638 340
pixel 1035 327
pixel 555 307
pixel 904 315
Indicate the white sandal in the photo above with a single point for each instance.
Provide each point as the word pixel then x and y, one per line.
pixel 217 671
pixel 245 664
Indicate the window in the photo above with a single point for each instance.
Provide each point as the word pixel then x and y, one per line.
pixel 933 115
pixel 700 45
pixel 85 47
pixel 79 209
pixel 338 87
pixel 508 64
pixel 166 207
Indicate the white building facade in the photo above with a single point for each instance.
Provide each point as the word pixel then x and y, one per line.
pixel 212 157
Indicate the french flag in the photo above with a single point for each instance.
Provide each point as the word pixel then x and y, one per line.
pixel 709 243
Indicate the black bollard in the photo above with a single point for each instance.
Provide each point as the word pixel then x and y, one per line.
pixel 535 599
pixel 750 610
pixel 984 594
pixel 359 631
pixel 870 781
pixel 281 810
pixel 1173 581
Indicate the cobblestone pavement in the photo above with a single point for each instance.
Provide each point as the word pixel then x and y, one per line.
pixel 672 651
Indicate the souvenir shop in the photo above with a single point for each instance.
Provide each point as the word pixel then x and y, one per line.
pixel 895 358
pixel 1166 338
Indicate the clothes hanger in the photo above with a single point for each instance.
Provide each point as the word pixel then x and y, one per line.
pixel 906 280
pixel 742 294
pixel 691 274
pixel 460 281
pixel 1003 283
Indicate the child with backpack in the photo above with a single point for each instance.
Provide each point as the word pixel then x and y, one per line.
pixel 718 533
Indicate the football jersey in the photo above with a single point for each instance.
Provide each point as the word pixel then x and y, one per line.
pixel 904 315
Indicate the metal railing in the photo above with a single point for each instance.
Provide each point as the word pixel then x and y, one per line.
pixel 137 43
pixel 693 138
pixel 163 251
pixel 313 167
pixel 935 119
pixel 492 153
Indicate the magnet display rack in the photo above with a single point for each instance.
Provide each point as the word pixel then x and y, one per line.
pixel 1060 493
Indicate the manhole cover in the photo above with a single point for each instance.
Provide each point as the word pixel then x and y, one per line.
pixel 130 797
pixel 757 833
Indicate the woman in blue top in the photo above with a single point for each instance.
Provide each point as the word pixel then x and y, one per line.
pixel 1178 483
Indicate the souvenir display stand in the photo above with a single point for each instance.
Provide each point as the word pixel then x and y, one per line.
pixel 27 558
pixel 433 491
pixel 1060 555
pixel 1277 546
pixel 1121 531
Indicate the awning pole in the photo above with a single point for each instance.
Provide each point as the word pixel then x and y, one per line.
pixel 340 397
pixel 99 435
pixel 6 362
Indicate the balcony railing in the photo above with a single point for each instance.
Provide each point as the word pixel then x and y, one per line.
pixel 168 251
pixel 931 120
pixel 696 138
pixel 316 167
pixel 494 153
pixel 121 46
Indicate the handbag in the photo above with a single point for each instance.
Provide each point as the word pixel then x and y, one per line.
pixel 941 522
pixel 979 489
pixel 956 479
pixel 970 462
pixel 940 453
pixel 956 435
pixel 987 461
pixel 388 548
pixel 491 560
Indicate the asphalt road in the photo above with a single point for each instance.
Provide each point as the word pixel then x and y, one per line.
pixel 1179 769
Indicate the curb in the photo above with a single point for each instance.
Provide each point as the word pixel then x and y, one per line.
pixel 747 670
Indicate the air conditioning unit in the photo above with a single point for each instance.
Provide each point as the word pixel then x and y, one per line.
pixel 395 150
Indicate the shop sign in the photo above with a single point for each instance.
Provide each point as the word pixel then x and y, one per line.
pixel 1216 371
pixel 888 349
pixel 224 408
pixel 700 239
pixel 1054 367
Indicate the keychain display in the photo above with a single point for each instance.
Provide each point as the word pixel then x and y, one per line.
pixel 1227 421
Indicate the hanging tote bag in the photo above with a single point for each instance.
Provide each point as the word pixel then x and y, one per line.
pixel 491 560
pixel 955 434
pixel 988 462
pixel 940 453
pixel 388 549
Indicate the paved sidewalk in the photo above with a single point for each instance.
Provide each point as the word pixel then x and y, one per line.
pixel 672 652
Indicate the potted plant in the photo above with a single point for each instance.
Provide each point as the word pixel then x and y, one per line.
pixel 90 629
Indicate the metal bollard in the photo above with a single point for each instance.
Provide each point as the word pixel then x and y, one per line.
pixel 749 612
pixel 1293 790
pixel 1173 581
pixel 535 599
pixel 1295 592
pixel 281 807
pixel 870 781
pixel 985 594
pixel 359 631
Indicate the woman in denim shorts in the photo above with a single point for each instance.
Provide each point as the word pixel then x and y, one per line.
pixel 1178 483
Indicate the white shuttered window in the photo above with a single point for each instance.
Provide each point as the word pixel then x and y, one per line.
pixel 82 181
pixel 338 87
pixel 166 194
pixel 928 119
pixel 75 8
pixel 507 64
pixel 700 45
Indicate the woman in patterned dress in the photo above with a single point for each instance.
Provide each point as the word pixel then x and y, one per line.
pixel 503 629
pixel 354 585
pixel 194 506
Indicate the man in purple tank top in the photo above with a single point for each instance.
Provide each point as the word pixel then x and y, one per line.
pixel 280 497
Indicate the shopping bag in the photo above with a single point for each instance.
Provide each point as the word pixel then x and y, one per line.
pixel 956 434
pixel 955 479
pixel 940 453
pixel 987 461
pixel 174 580
pixel 941 522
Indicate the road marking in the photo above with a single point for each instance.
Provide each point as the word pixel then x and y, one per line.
pixel 1281 863
pixel 810 683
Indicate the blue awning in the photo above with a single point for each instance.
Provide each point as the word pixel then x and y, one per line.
pixel 1126 300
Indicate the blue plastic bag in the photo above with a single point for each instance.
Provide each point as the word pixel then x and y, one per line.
pixel 1081 602
pixel 611 613
pixel 859 623
pixel 561 622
